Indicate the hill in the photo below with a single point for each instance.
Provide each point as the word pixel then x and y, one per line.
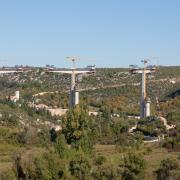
pixel 36 144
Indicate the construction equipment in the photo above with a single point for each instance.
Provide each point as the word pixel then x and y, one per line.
pixel 145 101
pixel 74 90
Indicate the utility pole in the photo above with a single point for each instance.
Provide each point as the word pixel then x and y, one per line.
pixel 74 90
pixel 145 101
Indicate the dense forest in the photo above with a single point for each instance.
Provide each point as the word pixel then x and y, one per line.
pixel 112 142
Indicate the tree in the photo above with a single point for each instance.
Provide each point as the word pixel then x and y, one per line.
pixel 46 166
pixel 104 172
pixel 78 129
pixel 80 167
pixel 134 167
pixel 53 135
pixel 151 126
pixel 165 169
pixel 60 145
pixel 106 113
pixel 100 160
pixel 75 122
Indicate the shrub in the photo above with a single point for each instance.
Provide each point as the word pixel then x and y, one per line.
pixel 134 167
pixel 80 167
pixel 165 169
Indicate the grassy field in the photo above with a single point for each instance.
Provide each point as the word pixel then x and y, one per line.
pixel 152 153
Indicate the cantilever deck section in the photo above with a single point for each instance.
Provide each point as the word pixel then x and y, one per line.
pixel 10 70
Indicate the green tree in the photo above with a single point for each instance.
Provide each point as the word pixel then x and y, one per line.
pixel 151 126
pixel 106 112
pixel 80 167
pixel 104 172
pixel 100 160
pixel 46 166
pixel 78 130
pixel 75 122
pixel 86 143
pixel 134 167
pixel 60 145
pixel 164 172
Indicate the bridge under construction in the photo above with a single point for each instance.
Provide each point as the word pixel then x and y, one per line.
pixel 74 89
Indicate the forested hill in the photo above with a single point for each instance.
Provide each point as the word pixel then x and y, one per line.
pixel 109 144
pixel 115 86
pixel 38 80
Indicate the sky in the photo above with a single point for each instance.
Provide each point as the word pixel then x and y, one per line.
pixel 108 33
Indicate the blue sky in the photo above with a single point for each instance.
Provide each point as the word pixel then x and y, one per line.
pixel 108 33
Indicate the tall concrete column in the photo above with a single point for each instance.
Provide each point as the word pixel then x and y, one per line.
pixel 72 89
pixel 76 100
pixel 147 107
pixel 143 94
